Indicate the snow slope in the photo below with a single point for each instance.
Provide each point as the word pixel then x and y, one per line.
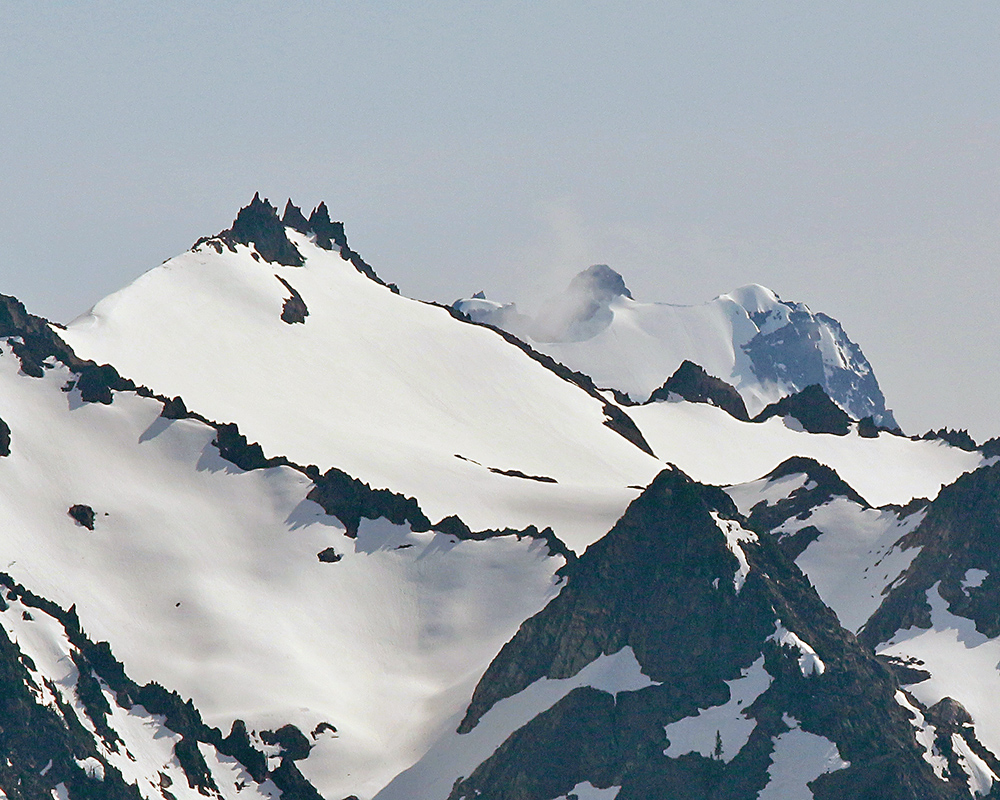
pixel 145 754
pixel 713 447
pixel 394 392
pixel 206 579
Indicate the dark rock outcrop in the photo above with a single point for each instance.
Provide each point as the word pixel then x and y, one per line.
pixel 84 515
pixel 956 438
pixel 959 533
pixel 43 746
pixel 234 447
pixel 174 409
pixel 791 354
pixel 867 428
pixel 351 500
pixel 991 448
pixel 692 383
pixel 32 340
pixel 294 219
pixel 4 439
pixel 96 382
pixel 291 740
pixel 811 407
pixel 329 556
pixel 662 583
pixel 516 473
pixel 294 310
pixel 329 234
pixel 258 224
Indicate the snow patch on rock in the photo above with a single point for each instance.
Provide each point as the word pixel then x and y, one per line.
pixel 727 723
pixel 809 663
pixel 799 757
pixel 736 535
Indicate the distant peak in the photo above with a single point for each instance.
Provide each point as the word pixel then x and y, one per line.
pixel 755 298
pixel 600 281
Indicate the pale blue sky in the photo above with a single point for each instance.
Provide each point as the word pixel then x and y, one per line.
pixel 846 154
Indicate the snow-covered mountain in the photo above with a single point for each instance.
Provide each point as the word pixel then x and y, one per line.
pixel 764 346
pixel 272 529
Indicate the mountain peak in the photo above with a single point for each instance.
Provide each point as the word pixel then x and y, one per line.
pixel 600 282
pixel 258 224
pixel 293 217
pixel 754 298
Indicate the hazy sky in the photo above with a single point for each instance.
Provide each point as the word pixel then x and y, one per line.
pixel 845 154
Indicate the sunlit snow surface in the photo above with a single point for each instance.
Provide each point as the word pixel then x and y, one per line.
pixel 401 395
pixel 809 662
pixel 587 791
pixel 206 579
pixel 798 758
pixel 713 447
pixel 736 535
pixel 634 346
pixel 394 392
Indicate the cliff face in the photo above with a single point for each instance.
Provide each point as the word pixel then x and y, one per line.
pixel 706 607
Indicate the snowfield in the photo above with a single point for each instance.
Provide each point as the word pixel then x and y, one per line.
pixel 206 579
pixel 713 447
pixel 392 391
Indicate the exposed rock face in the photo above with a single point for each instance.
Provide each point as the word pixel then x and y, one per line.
pixel 958 534
pixel 795 348
pixel 329 234
pixel 31 338
pixel 293 743
pixel 956 438
pixel 695 385
pixel 294 310
pixel 949 712
pixel 811 407
pixel 96 382
pixel 4 439
pixel 666 582
pixel 84 515
pixel 867 428
pixel 174 409
pixel 991 448
pixel 257 224
pixel 351 500
pixel 294 219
